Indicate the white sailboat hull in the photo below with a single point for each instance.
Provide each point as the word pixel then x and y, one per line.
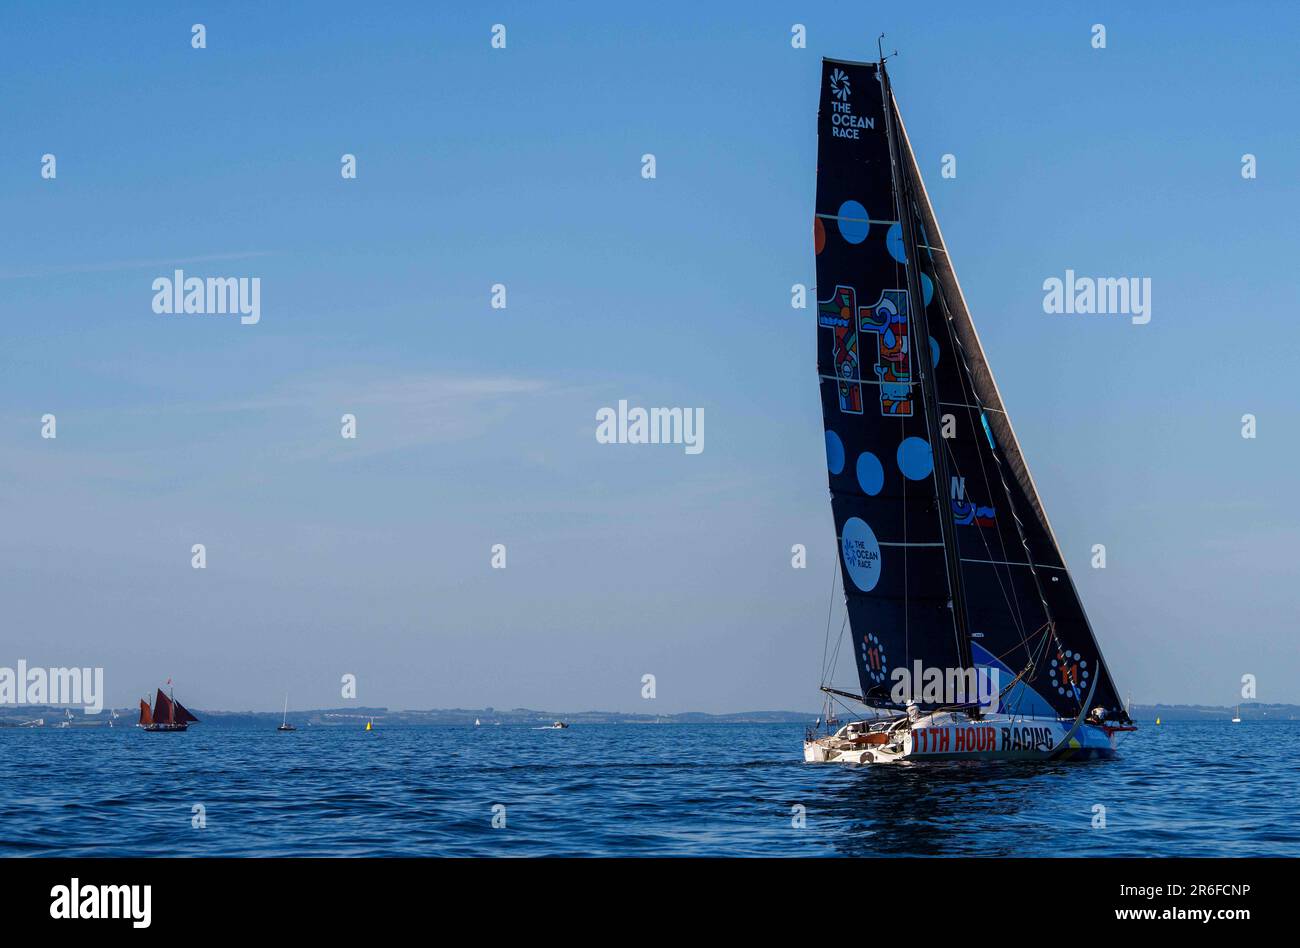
pixel 956 736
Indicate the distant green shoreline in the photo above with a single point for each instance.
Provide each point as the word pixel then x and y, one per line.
pixel 52 716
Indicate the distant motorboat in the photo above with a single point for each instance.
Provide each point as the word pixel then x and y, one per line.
pixel 284 721
pixel 558 725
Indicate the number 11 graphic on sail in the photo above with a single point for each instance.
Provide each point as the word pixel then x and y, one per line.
pixel 887 321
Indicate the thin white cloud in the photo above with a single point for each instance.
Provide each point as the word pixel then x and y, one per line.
pixel 114 266
pixel 401 391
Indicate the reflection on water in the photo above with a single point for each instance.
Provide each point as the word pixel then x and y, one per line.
pixel 935 809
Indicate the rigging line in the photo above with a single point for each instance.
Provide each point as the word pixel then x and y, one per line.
pixel 1007 587
pixel 847 710
pixel 1040 632
pixel 1015 516
pixel 1024 541
pixel 966 559
pixel 1011 601
pixel 838 645
pixel 830 608
pixel 1022 677
pixel 835 650
pixel 828 672
pixel 1012 604
pixel 959 348
pixel 964 405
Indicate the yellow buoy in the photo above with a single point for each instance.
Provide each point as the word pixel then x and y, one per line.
pixel 368 725
pixel 1157 720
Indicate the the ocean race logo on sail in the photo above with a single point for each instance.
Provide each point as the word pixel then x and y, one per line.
pixel 948 686
pixel 684 426
pixel 57 686
pixel 844 124
pixel 840 84
pixel 1099 296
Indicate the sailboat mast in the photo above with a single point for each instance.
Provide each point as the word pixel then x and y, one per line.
pixel 929 396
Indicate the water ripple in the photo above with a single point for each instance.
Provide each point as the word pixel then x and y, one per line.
pixel 695 790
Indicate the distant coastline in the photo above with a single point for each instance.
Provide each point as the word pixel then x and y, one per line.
pixel 53 716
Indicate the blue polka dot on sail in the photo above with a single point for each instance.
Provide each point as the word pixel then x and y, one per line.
pixel 927 288
pixel 861 553
pixel 871 474
pixel 914 459
pixel 934 353
pixel 853 222
pixel 834 453
pixel 894 241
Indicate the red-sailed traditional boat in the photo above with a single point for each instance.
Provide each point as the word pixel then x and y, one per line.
pixel 167 714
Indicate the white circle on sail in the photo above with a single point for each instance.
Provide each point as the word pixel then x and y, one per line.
pixel 861 553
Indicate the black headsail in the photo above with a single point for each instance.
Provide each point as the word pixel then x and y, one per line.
pixel 993 555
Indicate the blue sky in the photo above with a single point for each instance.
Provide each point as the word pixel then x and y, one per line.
pixel 476 426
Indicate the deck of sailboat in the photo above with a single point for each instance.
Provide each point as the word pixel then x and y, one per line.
pixel 953 736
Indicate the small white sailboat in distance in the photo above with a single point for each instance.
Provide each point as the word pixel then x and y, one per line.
pixel 284 721
pixel 1236 718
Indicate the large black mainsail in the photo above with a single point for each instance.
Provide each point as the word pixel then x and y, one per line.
pixel 947 556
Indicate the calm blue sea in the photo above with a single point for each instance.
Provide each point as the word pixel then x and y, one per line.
pixel 1205 789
